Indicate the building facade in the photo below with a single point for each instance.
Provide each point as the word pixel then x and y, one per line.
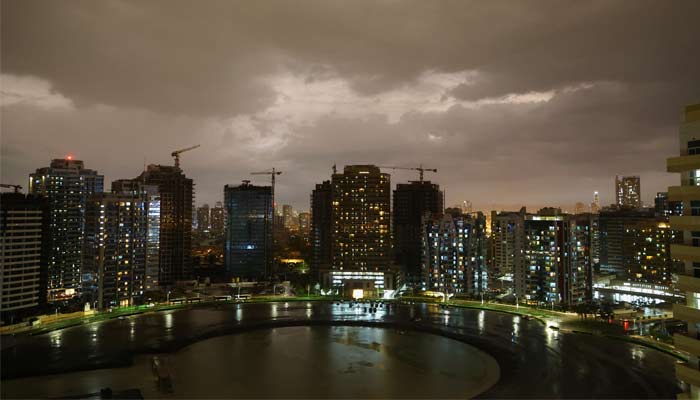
pixel 507 236
pixel 217 219
pixel 361 237
pixel 320 230
pixel 67 184
pixel 24 249
pixel 411 202
pixel 176 193
pixel 687 164
pixel 611 225
pixel 454 253
pixel 646 249
pixel 248 243
pixel 150 195
pixel 203 222
pixel 115 248
pixel 628 191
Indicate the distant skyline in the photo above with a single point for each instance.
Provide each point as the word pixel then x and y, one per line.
pixel 515 103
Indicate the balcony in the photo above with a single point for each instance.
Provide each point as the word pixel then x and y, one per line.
pixel 687 344
pixel 688 374
pixel 685 222
pixel 685 313
pixel 684 193
pixel 683 163
pixel 687 283
pixel 684 251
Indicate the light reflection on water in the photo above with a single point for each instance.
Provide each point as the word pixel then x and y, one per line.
pixel 56 338
pixel 552 334
pixel 516 329
pixel 480 322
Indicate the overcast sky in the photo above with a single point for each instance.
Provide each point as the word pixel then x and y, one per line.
pixel 514 102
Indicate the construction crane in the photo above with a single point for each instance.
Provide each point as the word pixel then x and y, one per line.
pixel 176 154
pixel 418 168
pixel 17 188
pixel 273 173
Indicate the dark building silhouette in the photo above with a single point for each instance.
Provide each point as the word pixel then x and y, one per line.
pixel 411 202
pixel 176 204
pixel 321 225
pixel 628 191
pixel 24 249
pixel 67 184
pixel 248 248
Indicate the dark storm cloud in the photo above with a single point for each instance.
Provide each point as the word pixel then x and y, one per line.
pixel 117 81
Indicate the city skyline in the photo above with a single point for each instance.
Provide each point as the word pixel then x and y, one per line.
pixel 393 83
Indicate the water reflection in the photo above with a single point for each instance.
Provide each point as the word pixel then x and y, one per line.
pixel 168 320
pixel 56 338
pixel 552 332
pixel 480 322
pixel 516 329
pixel 132 330
pixel 637 353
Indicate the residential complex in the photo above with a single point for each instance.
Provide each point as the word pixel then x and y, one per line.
pixel 67 184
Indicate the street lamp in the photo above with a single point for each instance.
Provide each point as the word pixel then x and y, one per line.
pixel 516 302
pixel 168 298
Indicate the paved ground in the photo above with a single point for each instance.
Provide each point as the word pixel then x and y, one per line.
pixel 535 361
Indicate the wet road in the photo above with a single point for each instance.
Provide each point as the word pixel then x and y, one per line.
pixel 535 361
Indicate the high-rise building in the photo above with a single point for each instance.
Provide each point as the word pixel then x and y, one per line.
pixel 203 221
pixel 454 253
pixel 248 248
pixel 579 208
pixel 321 227
pixel 288 217
pixel 688 165
pixel 24 248
pixel 361 237
pixel 646 247
pixel 115 247
pixel 67 184
pixel 217 224
pixel 580 258
pixel 151 198
pixel 665 208
pixel 557 259
pixel 611 225
pixel 411 202
pixel 628 191
pixel 176 193
pixel 507 236
pixel 595 205
pixel 305 223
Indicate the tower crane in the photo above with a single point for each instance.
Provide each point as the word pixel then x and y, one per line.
pixel 17 188
pixel 176 154
pixel 273 173
pixel 419 168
